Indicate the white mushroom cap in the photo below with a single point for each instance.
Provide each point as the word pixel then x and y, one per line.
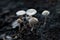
pixel 45 13
pixel 31 12
pixel 15 24
pixel 8 37
pixel 19 20
pixel 33 20
pixel 20 12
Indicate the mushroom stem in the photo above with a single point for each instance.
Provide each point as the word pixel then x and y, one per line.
pixel 32 27
pixel 19 28
pixel 20 20
pixel 4 38
pixel 45 21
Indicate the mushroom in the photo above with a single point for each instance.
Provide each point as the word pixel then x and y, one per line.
pixel 32 21
pixel 45 13
pixel 15 24
pixel 19 20
pixel 20 14
pixel 8 37
pixel 31 12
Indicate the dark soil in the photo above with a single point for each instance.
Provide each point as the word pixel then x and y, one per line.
pixel 51 31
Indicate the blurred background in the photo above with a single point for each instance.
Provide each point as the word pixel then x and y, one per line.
pixel 8 9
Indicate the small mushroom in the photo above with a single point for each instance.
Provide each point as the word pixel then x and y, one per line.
pixel 20 12
pixel 20 19
pixel 45 13
pixel 31 12
pixel 15 24
pixel 8 37
pixel 32 21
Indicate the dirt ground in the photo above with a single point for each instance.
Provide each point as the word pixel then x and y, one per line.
pixel 51 31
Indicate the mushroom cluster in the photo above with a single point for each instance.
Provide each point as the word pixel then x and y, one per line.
pixel 32 21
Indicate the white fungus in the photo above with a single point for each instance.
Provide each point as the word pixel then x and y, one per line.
pixel 45 13
pixel 20 12
pixel 8 37
pixel 15 24
pixel 31 12
pixel 33 20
